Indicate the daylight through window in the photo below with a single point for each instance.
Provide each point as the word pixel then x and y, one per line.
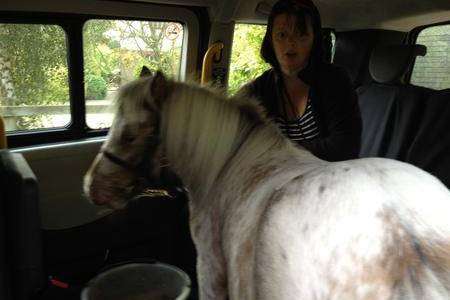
pixel 114 53
pixel 34 88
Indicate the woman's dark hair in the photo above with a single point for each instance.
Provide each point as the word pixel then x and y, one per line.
pixel 302 10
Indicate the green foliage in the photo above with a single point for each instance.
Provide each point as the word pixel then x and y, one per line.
pixel 117 50
pixel 113 51
pixel 101 57
pixel 30 122
pixel 95 86
pixel 34 53
pixel 57 86
pixel 246 61
pixel 33 60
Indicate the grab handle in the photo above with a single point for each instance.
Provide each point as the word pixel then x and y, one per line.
pixel 212 55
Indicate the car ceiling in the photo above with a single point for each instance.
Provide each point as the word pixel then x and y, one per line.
pixel 402 15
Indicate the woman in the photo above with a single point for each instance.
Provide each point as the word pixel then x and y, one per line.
pixel 312 102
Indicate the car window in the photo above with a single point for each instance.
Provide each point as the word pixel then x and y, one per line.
pixel 246 62
pixel 34 88
pixel 433 70
pixel 114 53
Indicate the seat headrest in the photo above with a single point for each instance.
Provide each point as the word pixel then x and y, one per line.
pixel 388 63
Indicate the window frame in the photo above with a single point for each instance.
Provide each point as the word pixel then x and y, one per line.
pixel 73 25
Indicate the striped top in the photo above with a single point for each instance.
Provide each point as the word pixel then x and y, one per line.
pixel 303 128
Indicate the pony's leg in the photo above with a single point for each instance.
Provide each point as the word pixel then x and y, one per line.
pixel 212 282
pixel 211 270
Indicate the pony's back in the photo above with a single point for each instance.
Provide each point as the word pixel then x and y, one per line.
pixel 362 229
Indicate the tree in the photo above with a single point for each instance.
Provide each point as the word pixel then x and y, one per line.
pixel 32 61
pixel 33 66
pixel 115 51
pixel 149 41
pixel 101 58
pixel 246 61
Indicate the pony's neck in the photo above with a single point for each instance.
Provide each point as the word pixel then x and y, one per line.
pixel 201 133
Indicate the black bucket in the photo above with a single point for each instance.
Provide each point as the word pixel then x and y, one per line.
pixel 139 281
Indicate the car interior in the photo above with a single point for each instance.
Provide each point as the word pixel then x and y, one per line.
pixel 53 240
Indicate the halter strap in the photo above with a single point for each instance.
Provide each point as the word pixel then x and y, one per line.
pixel 142 187
pixel 137 169
pixel 120 162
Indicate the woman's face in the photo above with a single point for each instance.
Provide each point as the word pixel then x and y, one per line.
pixel 292 49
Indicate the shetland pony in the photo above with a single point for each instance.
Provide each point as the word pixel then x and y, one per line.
pixel 269 219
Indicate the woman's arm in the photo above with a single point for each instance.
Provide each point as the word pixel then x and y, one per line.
pixel 342 117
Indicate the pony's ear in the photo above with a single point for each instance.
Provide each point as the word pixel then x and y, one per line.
pixel 159 88
pixel 145 72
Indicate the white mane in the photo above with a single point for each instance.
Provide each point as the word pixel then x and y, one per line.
pixel 209 128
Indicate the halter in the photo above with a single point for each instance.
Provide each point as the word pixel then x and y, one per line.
pixel 142 173
pixel 120 162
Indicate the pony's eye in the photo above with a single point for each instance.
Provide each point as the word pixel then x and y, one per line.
pixel 147 106
pixel 127 139
pixel 280 35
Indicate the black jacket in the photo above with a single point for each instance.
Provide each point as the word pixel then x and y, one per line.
pixel 334 103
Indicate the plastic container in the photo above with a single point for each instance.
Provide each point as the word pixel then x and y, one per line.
pixel 139 281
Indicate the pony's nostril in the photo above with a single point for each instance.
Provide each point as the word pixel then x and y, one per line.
pixel 97 195
pixel 99 198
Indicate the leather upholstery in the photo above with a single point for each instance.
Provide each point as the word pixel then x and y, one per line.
pixel 402 121
pixel 20 202
pixel 430 149
pixel 388 63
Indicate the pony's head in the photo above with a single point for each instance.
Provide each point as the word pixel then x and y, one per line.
pixel 131 151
